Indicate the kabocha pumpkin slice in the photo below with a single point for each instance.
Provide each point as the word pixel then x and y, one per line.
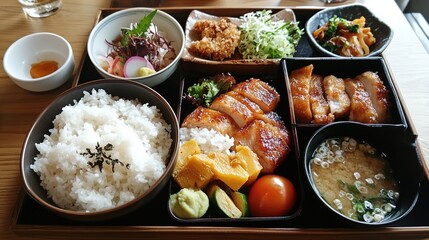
pixel 196 172
pixel 187 149
pixel 229 170
pixel 253 167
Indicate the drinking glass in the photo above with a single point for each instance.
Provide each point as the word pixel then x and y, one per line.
pixel 40 8
pixel 333 1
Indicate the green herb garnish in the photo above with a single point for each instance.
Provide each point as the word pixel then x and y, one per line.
pixel 335 24
pixel 332 27
pixel 140 29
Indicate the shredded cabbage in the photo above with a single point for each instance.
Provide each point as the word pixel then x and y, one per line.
pixel 263 38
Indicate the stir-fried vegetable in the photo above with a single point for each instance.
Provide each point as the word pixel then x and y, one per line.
pixel 344 37
pixel 263 38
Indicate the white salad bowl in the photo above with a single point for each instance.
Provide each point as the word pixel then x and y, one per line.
pixel 109 29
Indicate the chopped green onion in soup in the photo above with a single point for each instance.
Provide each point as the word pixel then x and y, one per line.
pixel 363 187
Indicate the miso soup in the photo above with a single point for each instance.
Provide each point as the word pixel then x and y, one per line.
pixel 355 179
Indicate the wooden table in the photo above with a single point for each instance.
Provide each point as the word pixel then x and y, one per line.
pixel 19 108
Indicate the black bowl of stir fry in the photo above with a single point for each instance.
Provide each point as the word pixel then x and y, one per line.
pixel 348 31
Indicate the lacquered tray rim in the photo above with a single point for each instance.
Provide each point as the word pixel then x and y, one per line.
pixel 130 232
pixel 192 231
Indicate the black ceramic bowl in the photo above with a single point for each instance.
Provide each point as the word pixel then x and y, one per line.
pixel 400 153
pixel 382 32
pixel 125 89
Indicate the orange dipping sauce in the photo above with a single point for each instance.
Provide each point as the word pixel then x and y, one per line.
pixel 43 68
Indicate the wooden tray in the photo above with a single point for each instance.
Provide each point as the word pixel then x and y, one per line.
pixel 153 220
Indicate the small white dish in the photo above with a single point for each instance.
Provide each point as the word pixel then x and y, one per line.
pixel 35 48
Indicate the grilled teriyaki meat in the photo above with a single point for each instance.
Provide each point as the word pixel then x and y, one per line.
pixel 319 105
pixel 361 109
pixel 335 92
pixel 272 118
pixel 259 92
pixel 271 143
pixel 321 100
pixel 230 105
pixel 378 94
pixel 300 88
pixel 208 118
pixel 246 101
pixel 246 113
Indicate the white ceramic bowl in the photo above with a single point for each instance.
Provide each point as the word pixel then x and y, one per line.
pixel 108 29
pixel 35 48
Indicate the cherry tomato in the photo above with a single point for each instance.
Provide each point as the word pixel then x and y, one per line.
pixel 271 195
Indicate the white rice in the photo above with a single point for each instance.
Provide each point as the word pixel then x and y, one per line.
pixel 139 135
pixel 208 140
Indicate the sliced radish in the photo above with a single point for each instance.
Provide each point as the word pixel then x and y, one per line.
pixel 105 62
pixel 133 64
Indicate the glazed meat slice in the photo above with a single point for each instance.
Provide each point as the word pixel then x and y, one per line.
pixel 299 80
pixel 246 101
pixel 207 118
pixel 238 111
pixel 378 93
pixel 272 118
pixel 338 100
pixel 259 92
pixel 361 109
pixel 269 142
pixel 319 105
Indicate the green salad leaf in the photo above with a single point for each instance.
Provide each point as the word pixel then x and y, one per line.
pixel 204 92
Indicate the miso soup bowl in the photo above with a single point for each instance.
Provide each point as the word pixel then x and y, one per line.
pixel 400 153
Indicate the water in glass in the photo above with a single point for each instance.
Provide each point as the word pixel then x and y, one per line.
pixel 40 8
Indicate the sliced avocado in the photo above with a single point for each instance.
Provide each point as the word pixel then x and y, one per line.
pixel 225 204
pixel 240 200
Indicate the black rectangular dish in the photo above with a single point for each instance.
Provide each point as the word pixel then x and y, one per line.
pixel 348 68
pixel 308 219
